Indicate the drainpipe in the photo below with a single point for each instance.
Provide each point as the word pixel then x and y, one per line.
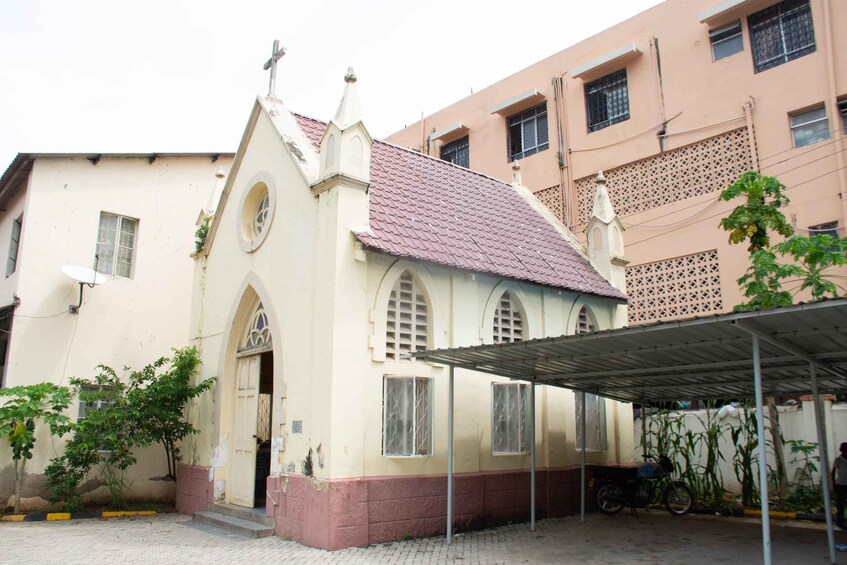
pixel 834 126
pixel 751 133
pixel 657 60
pixel 566 158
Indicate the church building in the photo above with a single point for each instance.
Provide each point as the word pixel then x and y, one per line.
pixel 332 256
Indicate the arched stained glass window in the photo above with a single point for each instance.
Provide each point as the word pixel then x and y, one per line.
pixel 508 320
pixel 259 333
pixel 407 320
pixel 262 213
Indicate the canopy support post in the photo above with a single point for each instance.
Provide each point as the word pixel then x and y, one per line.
pixel 644 432
pixel 823 452
pixel 450 460
pixel 763 463
pixel 582 464
pixel 532 457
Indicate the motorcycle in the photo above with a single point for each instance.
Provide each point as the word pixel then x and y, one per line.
pixel 641 486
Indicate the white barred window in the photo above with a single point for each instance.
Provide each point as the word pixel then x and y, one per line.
pixel 116 245
pixel 595 406
pixel 259 333
pixel 407 322
pixel 407 419
pixel 509 414
pixel 508 320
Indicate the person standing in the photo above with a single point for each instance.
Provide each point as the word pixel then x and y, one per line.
pixel 839 477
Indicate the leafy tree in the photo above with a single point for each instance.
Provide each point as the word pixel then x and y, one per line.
pixel 122 416
pixel 764 196
pixel 24 406
pixel 814 256
pixel 161 400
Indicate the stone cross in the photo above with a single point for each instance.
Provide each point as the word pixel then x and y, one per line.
pixel 276 55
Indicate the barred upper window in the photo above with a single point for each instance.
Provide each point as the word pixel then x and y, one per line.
pixel 407 321
pixel 407 416
pixel 457 152
pixel 509 428
pixel 508 320
pixel 781 33
pixel 607 101
pixel 726 40
pixel 528 132
pixel 809 126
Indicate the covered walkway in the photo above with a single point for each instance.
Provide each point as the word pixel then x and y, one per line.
pixel 799 349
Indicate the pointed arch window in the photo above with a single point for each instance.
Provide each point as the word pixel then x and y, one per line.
pixel 585 322
pixel 258 333
pixel 407 320
pixel 508 320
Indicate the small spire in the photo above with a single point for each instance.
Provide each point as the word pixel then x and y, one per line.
pixel 603 209
pixel 516 174
pixel 349 111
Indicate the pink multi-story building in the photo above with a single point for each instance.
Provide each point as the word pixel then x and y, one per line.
pixel 673 105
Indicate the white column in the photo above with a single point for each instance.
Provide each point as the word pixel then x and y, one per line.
pixel 450 461
pixel 582 465
pixel 763 463
pixel 532 457
pixel 824 462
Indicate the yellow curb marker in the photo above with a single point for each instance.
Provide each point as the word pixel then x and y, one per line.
pixel 121 514
pixel 55 516
pixel 13 518
pixel 775 514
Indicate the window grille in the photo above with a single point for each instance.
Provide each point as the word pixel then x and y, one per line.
pixel 829 228
pixel 528 132
pixel 407 419
pixel 583 323
pixel 263 418
pixel 726 41
pixel 407 324
pixel 810 126
pixel 259 332
pixel 674 288
pixel 457 152
pixel 607 101
pixel 14 244
pixel 842 109
pixel 116 245
pixel 781 33
pixel 85 407
pixel 700 168
pixel 262 213
pixel 508 321
pixel 509 412
pixel 595 425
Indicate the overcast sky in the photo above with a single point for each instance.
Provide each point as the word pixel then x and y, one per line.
pixel 181 75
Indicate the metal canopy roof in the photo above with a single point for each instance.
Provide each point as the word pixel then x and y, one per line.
pixel 701 358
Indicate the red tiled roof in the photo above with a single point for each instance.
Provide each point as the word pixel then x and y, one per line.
pixel 432 210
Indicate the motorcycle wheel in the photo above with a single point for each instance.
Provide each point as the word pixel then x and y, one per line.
pixel 602 496
pixel 678 498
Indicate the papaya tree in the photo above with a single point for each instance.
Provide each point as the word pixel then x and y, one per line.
pixel 21 408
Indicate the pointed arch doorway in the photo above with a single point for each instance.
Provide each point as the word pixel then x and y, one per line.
pixel 251 461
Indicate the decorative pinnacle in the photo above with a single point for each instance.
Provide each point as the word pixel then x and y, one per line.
pixel 516 166
pixel 516 174
pixel 350 76
pixel 600 178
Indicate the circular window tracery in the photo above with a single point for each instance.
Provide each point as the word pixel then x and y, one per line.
pixel 256 212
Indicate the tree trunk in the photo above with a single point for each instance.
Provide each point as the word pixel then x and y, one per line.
pixel 19 481
pixel 778 450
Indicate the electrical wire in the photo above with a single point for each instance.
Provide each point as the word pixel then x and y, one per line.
pixel 68 354
pixel 836 137
pixel 651 128
pixel 710 126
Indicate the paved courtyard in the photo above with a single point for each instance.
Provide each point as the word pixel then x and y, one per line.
pixel 654 538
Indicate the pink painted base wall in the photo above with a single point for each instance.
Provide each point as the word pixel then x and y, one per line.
pixel 343 513
pixel 194 490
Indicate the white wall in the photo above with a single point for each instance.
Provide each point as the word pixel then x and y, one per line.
pixel 126 322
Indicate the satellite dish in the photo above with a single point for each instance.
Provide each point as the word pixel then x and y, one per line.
pixel 84 275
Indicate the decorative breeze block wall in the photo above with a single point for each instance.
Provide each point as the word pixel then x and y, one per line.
pixel 700 168
pixel 674 288
pixel 554 200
